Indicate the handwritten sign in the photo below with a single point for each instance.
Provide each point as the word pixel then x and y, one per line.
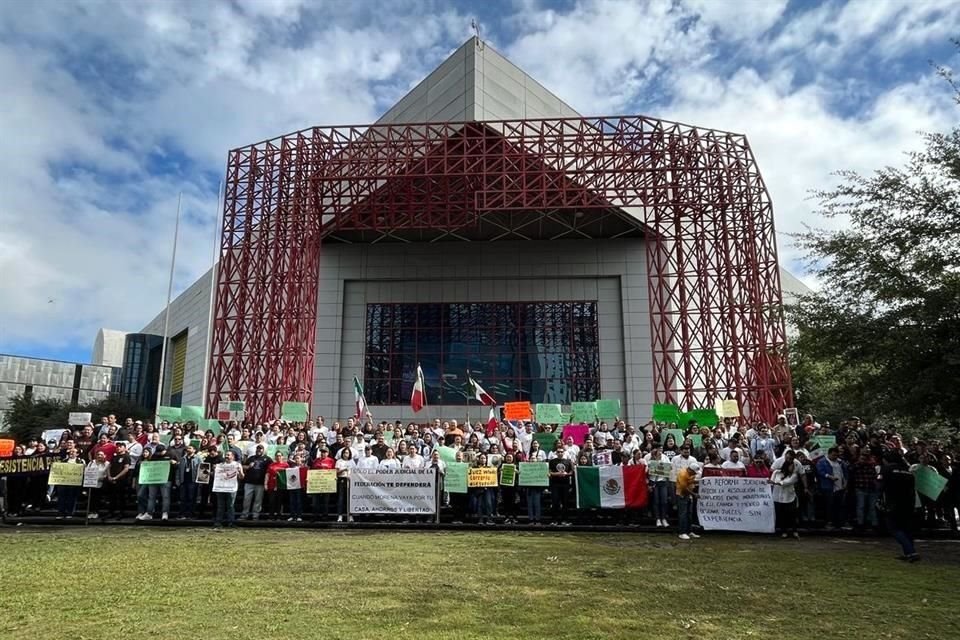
pixel 534 474
pixel 517 411
pixel 321 481
pixel 79 419
pixel 482 477
pixel 67 474
pixel 736 504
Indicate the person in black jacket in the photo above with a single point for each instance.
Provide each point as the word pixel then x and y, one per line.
pixel 899 502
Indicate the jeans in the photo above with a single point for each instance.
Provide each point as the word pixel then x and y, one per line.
pixel 67 500
pixel 866 507
pixel 786 516
pixel 252 496
pixel 321 505
pixel 685 513
pixel 164 491
pixel 296 503
pixel 188 498
pixel 658 495
pixel 225 508
pixel 117 496
pixel 903 537
pixel 534 504
pixel 143 494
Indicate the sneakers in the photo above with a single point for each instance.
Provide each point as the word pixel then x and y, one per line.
pixel 165 516
pixel 93 516
pixel 59 517
pixel 684 536
pixel 796 535
pixel 147 516
pixel 290 519
pixel 349 518
pixel 299 519
pixel 694 535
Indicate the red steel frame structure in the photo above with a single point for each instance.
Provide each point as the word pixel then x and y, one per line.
pixel 717 327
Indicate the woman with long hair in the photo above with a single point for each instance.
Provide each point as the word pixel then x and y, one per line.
pixel 345 465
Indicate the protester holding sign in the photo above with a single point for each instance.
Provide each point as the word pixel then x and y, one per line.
pixel 899 502
pixel 98 470
pixel 784 481
pixel 225 484
pixel 67 494
pixel 345 465
pixel 658 473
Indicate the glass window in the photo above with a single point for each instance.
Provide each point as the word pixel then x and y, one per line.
pixel 536 351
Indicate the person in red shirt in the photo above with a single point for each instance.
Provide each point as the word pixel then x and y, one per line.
pixel 321 501
pixel 103 444
pixel 275 498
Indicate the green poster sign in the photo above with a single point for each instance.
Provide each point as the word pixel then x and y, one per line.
pixel 929 483
pixel 455 478
pixel 165 439
pixel 608 409
pixel 388 438
pixel 170 414
pixel 447 454
pixel 546 440
pixel 697 440
pixel 824 442
pixel 193 414
pixel 294 411
pixel 534 474
pixel 565 419
pixel 154 472
pixel 213 425
pixel 666 413
pixel 549 414
pixel 584 412
pixel 508 475
pixel 704 417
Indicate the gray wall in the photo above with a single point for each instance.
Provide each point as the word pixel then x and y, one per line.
pixel 189 312
pixel 613 272
pixel 51 379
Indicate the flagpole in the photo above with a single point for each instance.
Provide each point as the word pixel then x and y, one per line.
pixel 213 289
pixel 166 320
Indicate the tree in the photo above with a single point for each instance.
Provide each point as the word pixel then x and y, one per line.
pixel 882 334
pixel 27 417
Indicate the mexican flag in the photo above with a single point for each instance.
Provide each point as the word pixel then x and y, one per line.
pixel 612 487
pixel 288 478
pixel 418 398
pixel 478 393
pixel 359 401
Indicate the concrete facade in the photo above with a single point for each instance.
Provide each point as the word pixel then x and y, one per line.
pixel 108 348
pixel 190 313
pixel 54 380
pixel 612 272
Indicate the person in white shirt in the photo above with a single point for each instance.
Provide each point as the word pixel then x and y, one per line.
pixel 413 460
pixel 732 445
pixel 683 461
pixel 536 454
pixel 659 487
pixel 734 462
pixel 134 449
pixel 784 481
pixel 390 463
pixel 344 466
pixel 368 462
pixel 570 448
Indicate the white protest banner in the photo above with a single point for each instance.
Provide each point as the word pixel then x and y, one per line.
pixel 79 419
pixel 225 477
pixel 409 492
pixel 52 435
pixel 736 504
pixel 91 477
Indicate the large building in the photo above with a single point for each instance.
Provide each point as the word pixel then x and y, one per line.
pixel 482 225
pixel 42 379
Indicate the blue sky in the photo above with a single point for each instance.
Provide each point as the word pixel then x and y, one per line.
pixel 111 109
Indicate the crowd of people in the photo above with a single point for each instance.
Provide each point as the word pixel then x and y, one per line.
pixel 862 480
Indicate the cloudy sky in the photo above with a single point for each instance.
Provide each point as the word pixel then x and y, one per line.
pixel 109 110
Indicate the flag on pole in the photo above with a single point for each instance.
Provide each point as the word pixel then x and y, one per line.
pixel 359 400
pixel 492 420
pixel 418 399
pixel 478 394
pixel 288 478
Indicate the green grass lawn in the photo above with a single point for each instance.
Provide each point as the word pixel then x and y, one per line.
pixel 134 583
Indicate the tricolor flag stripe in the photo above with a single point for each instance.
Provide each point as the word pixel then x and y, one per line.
pixel 612 487
pixel 418 398
pixel 478 393
pixel 360 402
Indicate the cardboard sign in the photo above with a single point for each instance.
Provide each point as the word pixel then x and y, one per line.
pixel 67 474
pixel 154 472
pixel 321 481
pixel 79 419
pixel 549 413
pixel 608 409
pixel 294 411
pixel 508 475
pixel 534 474
pixel 482 477
pixel 228 410
pixel 455 478
pixel 517 411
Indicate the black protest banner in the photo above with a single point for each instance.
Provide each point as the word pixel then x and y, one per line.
pixel 26 465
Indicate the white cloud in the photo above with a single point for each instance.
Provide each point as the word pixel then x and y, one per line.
pixel 112 109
